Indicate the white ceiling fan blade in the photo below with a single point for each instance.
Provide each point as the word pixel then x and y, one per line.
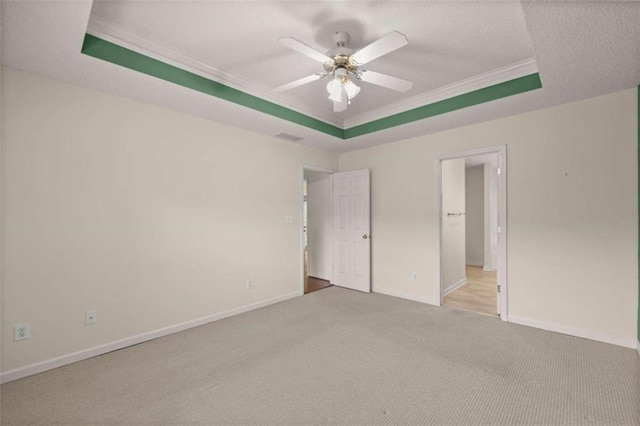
pixel 385 80
pixel 339 106
pixel 299 82
pixel 392 41
pixel 300 47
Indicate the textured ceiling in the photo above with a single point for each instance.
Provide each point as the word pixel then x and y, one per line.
pixel 581 49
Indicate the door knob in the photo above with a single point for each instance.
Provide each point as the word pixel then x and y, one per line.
pixel 365 236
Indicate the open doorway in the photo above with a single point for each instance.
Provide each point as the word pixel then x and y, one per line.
pixel 316 230
pixel 472 231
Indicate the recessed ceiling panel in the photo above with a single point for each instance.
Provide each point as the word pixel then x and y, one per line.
pixel 460 58
pixel 236 43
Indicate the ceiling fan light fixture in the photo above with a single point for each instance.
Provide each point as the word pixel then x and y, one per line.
pixel 335 89
pixel 342 62
pixel 351 89
pixel 341 88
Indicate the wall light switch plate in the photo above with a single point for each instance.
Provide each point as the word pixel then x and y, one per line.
pixel 91 317
pixel 21 332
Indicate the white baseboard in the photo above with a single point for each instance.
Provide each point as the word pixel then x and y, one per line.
pixel 453 287
pixel 474 263
pixel 488 268
pixel 407 296
pixel 52 363
pixel 577 332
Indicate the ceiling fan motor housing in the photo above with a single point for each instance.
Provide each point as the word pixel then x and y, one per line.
pixel 341 54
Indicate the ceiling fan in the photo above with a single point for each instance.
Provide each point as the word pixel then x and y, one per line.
pixel 343 64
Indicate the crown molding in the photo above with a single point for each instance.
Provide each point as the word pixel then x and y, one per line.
pixel 500 75
pixel 108 31
pixel 516 78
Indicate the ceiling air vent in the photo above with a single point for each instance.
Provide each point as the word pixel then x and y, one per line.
pixel 288 137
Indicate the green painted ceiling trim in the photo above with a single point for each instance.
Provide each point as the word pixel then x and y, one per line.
pixel 486 94
pixel 111 52
pixel 105 50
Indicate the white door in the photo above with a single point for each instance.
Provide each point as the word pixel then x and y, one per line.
pixel 453 231
pixel 351 229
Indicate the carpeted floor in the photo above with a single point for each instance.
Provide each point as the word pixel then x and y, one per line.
pixel 341 357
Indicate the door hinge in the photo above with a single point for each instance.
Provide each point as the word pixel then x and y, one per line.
pixel 498 289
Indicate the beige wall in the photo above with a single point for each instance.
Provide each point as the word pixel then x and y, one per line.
pixel 149 216
pixel 453 226
pixel 2 101
pixel 474 218
pixel 572 212
pixel 154 218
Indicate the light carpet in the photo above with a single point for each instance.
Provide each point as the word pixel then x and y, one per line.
pixel 341 357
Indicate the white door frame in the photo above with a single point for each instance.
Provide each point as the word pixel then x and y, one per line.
pixel 311 168
pixel 501 151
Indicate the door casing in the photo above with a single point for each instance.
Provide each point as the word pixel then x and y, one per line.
pixel 501 152
pixel 311 168
pixel 303 168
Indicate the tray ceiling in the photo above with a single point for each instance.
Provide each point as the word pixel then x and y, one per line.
pixel 236 43
pixel 455 48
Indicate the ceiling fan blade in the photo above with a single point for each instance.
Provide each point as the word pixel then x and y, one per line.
pixel 299 82
pixel 300 47
pixel 392 41
pixel 339 106
pixel 385 80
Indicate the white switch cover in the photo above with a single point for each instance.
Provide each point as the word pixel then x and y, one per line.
pixel 288 220
pixel 91 317
pixel 21 332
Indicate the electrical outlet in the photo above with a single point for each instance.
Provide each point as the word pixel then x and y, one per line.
pixel 249 283
pixel 91 317
pixel 21 331
pixel 414 276
pixel 288 220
